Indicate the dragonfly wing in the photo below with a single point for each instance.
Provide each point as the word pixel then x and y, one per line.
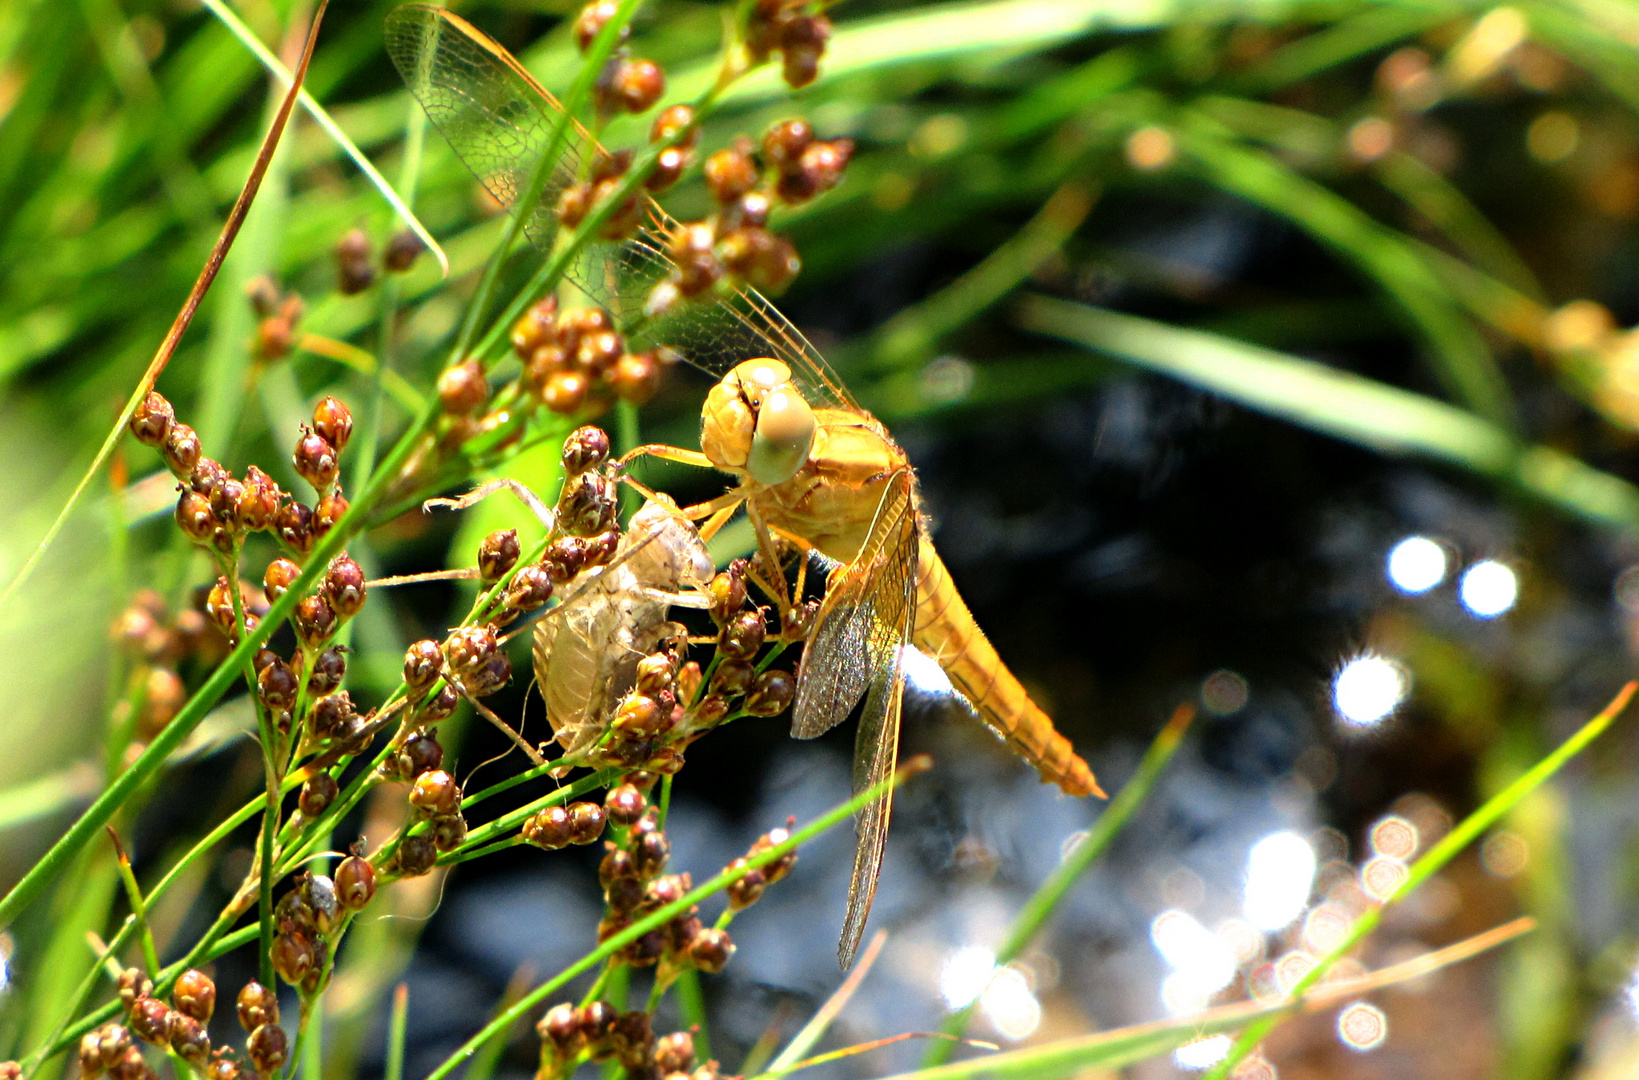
pixel 493 113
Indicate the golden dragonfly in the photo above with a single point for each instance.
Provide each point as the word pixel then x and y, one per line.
pixel 814 469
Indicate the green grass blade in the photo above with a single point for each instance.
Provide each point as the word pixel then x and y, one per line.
pixel 331 128
pixel 397 1032
pixel 1341 404
pixel 1466 832
pixel 1052 892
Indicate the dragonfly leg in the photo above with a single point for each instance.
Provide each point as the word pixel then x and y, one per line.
pixel 665 453
pixel 716 522
pixel 772 562
pixel 728 500
pixel 484 491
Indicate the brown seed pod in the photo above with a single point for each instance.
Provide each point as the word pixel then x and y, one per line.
pixel 332 714
pixel 650 852
pixel 416 855
pixel 315 620
pixel 222 1067
pixel 293 954
pixel 536 327
pixel 133 985
pixel 802 43
pixel 710 950
pixel 623 895
pixel 732 678
pixel 597 353
pixel 617 865
pixel 731 172
pixel 294 527
pixel 150 1020
pixel 439 706
pixel 560 1030
pixel 436 794
pixel 633 1039
pixel 530 588
pixel 91 1062
pixel 320 893
pixel 355 883
pixel 195 518
pixel 784 143
pixel 181 450
pixel 151 423
pixel 343 584
pixel 728 592
pixel 423 661
pixel 497 554
pixel 329 511
pixel 565 392
pixel 130 1065
pixel 637 377
pixel 742 636
pixel 656 674
pixel 333 422
pixel 641 716
pixel 318 792
pixel 189 1040
pixel 402 251
pixel 673 119
pixel 207 475
pixel 772 693
pixel 258 506
pixel 267 1049
pixel 257 1005
pixel 449 833
pixel 597 1024
pixel 638 84
pixel 624 805
pixel 329 669
pixel 669 166
pixel 780 867
pixel 276 686
pixel 585 822
pixel 462 388
pixel 469 648
pixel 551 828
pixel 749 889
pixel 354 273
pixel 421 753
pixel 674 1053
pixel 592 19
pixel 315 460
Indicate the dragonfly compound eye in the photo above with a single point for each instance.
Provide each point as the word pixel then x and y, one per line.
pixel 785 434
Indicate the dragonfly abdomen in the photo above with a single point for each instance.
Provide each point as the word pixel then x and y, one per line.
pixel 946 631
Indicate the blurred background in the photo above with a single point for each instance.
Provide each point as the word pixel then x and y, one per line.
pixel 1270 356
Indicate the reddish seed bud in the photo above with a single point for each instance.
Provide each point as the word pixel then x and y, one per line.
pixel 332 714
pixel 668 168
pixel 673 119
pixel 469 647
pixel 655 674
pixel 151 423
pixel 728 592
pixel 742 637
pixel 91 1061
pixel 641 716
pixel 257 1006
pixel 354 273
pixel 585 822
pixel 293 955
pixel 328 672
pixel 151 1021
pixel 133 985
pixel 355 883
pixel 423 661
pixel 328 512
pixel 449 833
pixel 674 1053
pixel 294 526
pixel 565 392
pixel 731 173
pixel 258 506
pixel 181 450
pixel 624 805
pixel 535 328
pixel 436 794
pixel 633 1039
pixel 710 950
pixel 497 554
pixel 315 460
pixel 440 706
pixel 551 829
pixel 267 1049
pixel 597 1024
pixel 733 678
pixel 207 475
pixel 784 143
pixel 333 422
pixel 617 865
pixel 129 1065
pixel 560 1029
pixel 189 1040
pixel 276 687
pixel 421 753
pixel 651 852
pixel 592 19
pixel 402 251
pixel 772 693
pixel 416 855
pixel 315 620
pixel 574 203
pixel 780 867
pixel 343 585
pixel 531 587
pixel 637 377
pixel 585 449
pixel 318 792
pixel 320 893
pixel 588 504
pixel 463 388
pixel 749 889
pixel 639 84
pixel 222 1068
pixel 194 517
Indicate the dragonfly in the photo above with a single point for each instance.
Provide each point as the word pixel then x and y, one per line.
pixel 814 471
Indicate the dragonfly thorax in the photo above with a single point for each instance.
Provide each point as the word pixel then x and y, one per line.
pixel 756 423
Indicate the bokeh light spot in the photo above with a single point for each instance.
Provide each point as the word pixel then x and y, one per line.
pixel 1505 853
pixel 1150 148
pixel 1280 871
pixel 1380 877
pixel 1224 692
pixel 1362 1026
pixel 1488 589
pixel 965 975
pixel 1202 1053
pixel 1010 1005
pixel 1394 837
pixel 1416 565
pixel 1367 689
pixel 1553 136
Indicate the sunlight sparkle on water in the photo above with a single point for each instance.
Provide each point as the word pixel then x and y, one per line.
pixel 965 975
pixel 1202 1053
pixel 1367 689
pixel 1280 871
pixel 1010 1006
pixel 1416 565
pixel 1488 589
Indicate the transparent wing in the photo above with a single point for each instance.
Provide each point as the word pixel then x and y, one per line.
pixel 493 113
pixel 498 120
pixel 862 626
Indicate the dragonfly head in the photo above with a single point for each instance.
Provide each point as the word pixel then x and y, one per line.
pixel 757 423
